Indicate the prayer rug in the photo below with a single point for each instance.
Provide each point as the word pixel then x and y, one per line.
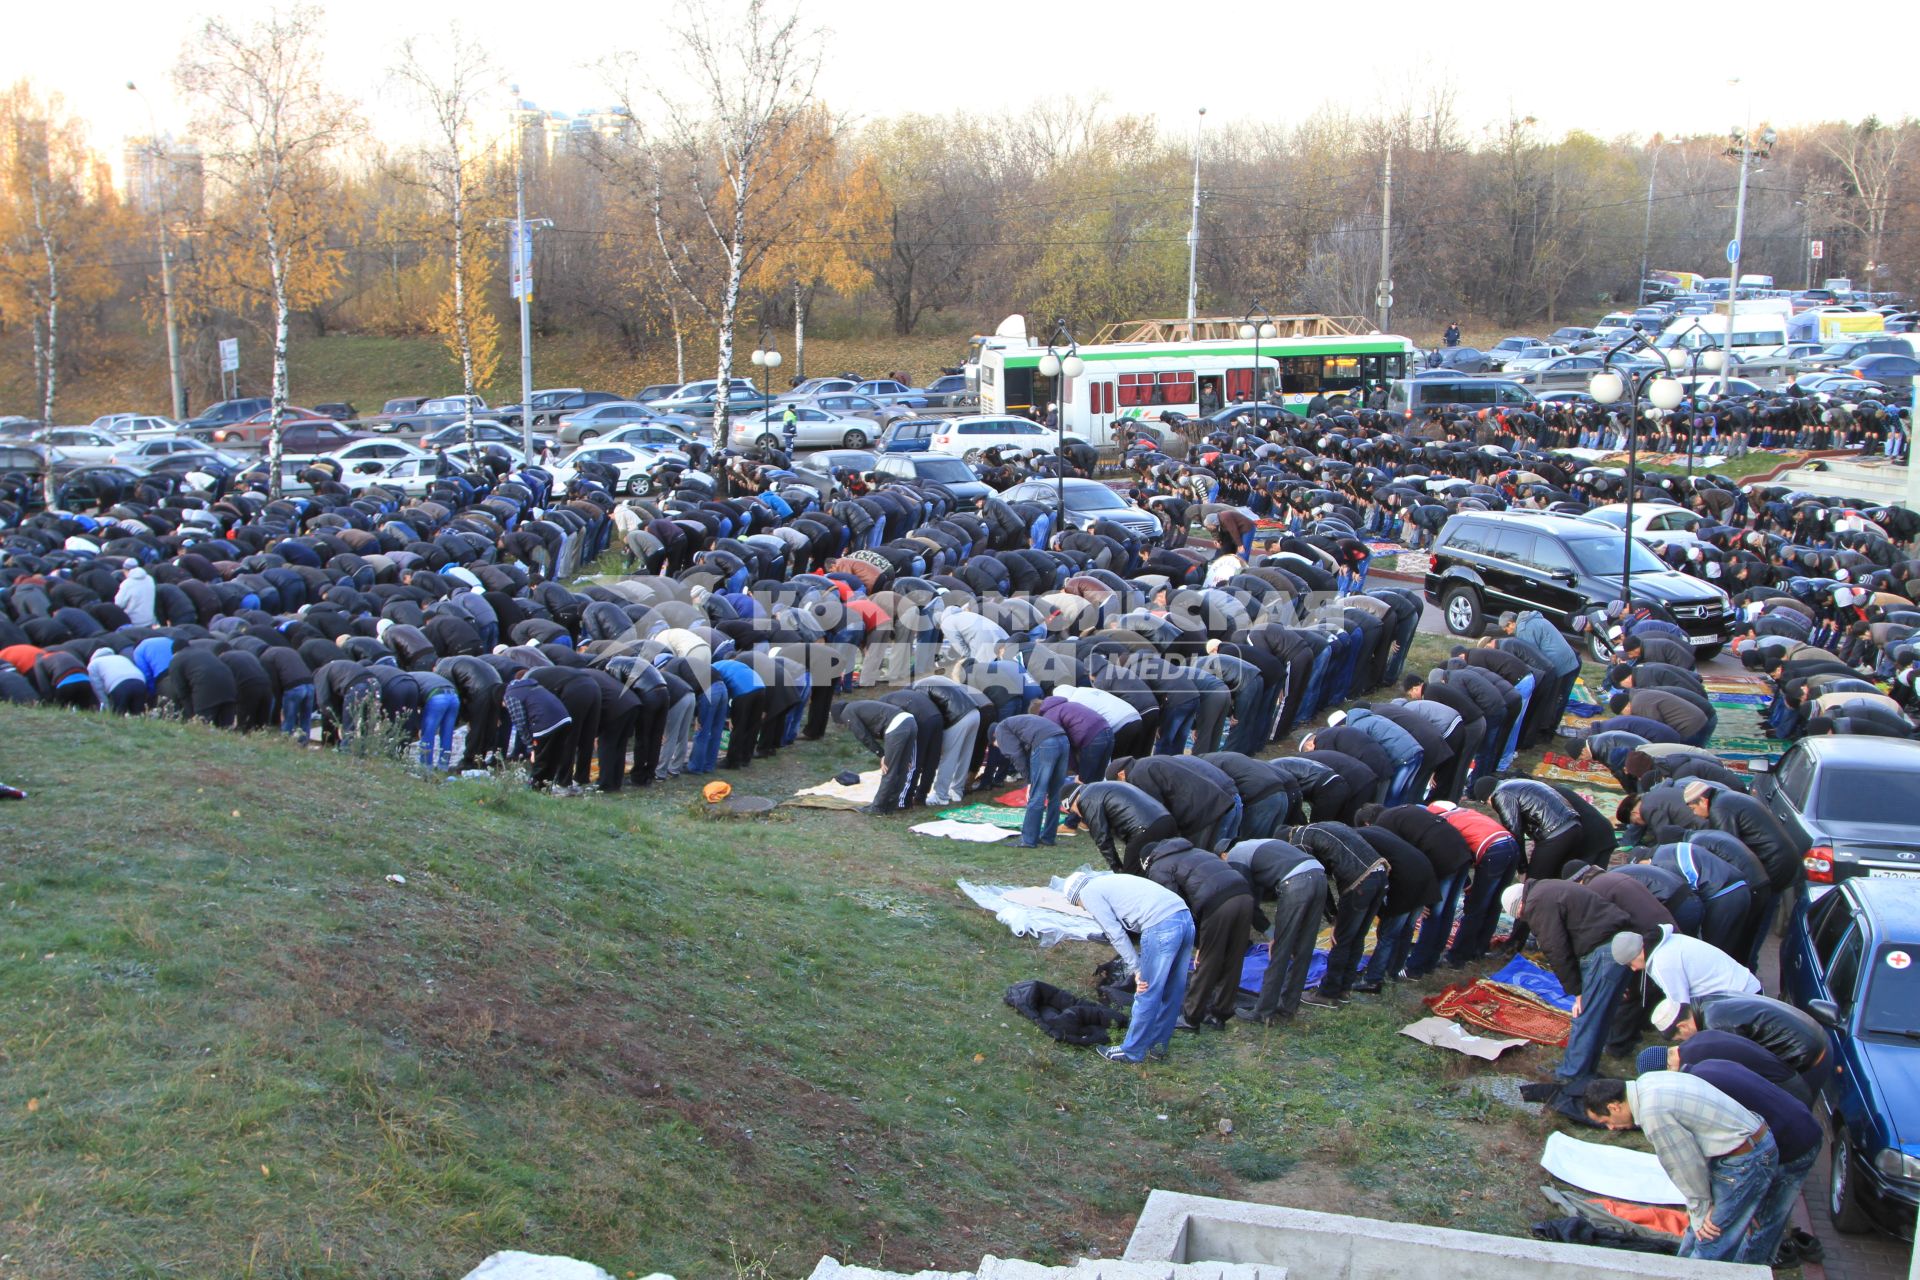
pixel 1503 1010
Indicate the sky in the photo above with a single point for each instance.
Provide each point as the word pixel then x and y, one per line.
pixel 1272 61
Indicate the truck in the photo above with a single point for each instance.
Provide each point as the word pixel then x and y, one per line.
pixel 1831 324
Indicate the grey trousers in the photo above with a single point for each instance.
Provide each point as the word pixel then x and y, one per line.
pixel 956 750
pixel 1296 924
pixel 676 737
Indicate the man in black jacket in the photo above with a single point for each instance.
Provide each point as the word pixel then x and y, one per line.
pixel 1357 877
pixel 1473 730
pixel 1123 820
pixel 1412 887
pixel 200 685
pixel 1316 786
pixel 1266 795
pixel 1222 907
pixel 891 733
pixel 1755 826
pixel 1296 884
pixel 1201 798
pixel 480 688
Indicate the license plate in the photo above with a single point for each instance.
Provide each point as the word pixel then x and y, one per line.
pixel 1715 638
pixel 1892 873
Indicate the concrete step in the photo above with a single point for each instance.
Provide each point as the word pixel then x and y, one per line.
pixel 1874 484
pixel 832 1269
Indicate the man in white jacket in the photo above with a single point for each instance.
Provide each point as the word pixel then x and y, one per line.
pixel 135 596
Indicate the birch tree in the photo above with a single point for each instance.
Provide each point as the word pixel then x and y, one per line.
pixel 449 79
pixel 715 179
pixel 1869 156
pixel 268 122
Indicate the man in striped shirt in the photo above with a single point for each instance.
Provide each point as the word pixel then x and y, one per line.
pixel 1721 1156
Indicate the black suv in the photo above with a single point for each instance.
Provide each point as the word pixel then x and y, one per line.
pixel 1485 562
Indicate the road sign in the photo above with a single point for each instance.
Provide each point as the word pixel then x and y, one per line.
pixel 1733 251
pixel 229 355
pixel 1817 249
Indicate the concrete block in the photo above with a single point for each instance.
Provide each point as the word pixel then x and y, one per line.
pixel 1329 1246
pixel 511 1264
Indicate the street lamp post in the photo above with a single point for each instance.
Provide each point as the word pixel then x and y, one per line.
pixel 1193 233
pixel 1743 146
pixel 1696 358
pixel 1257 324
pixel 1061 362
pixel 162 165
pixel 1609 387
pixel 1646 234
pixel 765 357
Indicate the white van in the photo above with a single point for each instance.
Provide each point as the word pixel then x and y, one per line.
pixel 1754 333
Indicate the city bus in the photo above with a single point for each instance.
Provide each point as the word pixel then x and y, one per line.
pixel 1146 379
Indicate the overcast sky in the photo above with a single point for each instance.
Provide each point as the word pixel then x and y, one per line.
pixel 1271 60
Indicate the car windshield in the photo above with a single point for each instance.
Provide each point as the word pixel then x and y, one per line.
pixel 1095 498
pixel 945 470
pixel 1867 792
pixel 1893 993
pixel 1602 556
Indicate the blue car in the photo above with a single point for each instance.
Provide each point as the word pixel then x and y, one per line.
pixel 910 435
pixel 1848 959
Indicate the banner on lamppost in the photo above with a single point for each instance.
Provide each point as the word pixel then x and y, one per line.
pixel 1817 250
pixel 520 259
pixel 229 355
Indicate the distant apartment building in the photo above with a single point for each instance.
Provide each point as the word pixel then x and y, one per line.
pixel 547 136
pixel 165 176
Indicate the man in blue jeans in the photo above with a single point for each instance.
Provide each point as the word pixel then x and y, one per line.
pixel 1123 904
pixel 1037 749
pixel 710 710
pixel 438 717
pixel 1495 854
pixel 1574 927
pixel 1721 1155
pixel 1795 1131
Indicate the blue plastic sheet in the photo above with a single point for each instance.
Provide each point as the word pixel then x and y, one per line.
pixel 1531 978
pixel 1253 970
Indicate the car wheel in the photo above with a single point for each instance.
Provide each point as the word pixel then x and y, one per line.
pixel 1843 1198
pixel 1599 648
pixel 767 440
pixel 639 486
pixel 971 457
pixel 588 435
pixel 855 439
pixel 1460 610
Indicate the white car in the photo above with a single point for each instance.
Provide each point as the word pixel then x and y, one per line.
pixel 1660 523
pixel 80 446
pixel 634 468
pixel 814 428
pixel 142 454
pixel 368 460
pixel 653 436
pixel 135 426
pixel 968 437
pixel 411 476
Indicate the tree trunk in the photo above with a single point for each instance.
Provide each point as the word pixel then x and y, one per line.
pixel 799 336
pixel 462 337
pixel 277 265
pixel 729 311
pixel 50 384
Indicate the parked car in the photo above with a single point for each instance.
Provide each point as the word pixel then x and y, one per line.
pixel 548 406
pixel 1089 501
pixel 892 391
pixel 448 436
pixel 1565 373
pixel 1512 349
pixel 847 461
pixel 314 437
pixel 1534 357
pixel 144 453
pixel 225 413
pixel 371 457
pixel 338 410
pixel 1486 562
pixel 1661 523
pixel 942 469
pixel 658 391
pixel 1851 799
pixel 950 391
pixel 79 446
pixel 258 428
pixel 577 426
pixel 411 476
pixel 970 436
pixel 388 419
pixel 1847 959
pixel 634 468
pixel 1894 372
pixel 439 412
pixel 698 400
pixel 1414 396
pixel 1709 384
pixel 909 435
pixel 814 428
pixel 1459 360
pixel 24 459
pixel 1567 335
pixel 808 388
pixel 651 435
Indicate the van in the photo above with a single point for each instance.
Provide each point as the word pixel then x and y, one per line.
pixel 1754 333
pixel 1414 397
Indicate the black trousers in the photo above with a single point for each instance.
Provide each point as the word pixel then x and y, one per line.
pixel 743 726
pixel 551 756
pixel 582 702
pixel 648 725
pixel 1352 916
pixel 1221 936
pixel 819 705
pixel 615 733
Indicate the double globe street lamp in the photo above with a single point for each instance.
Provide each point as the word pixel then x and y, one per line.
pixel 1063 364
pixel 1659 387
pixel 1257 330
pixel 1695 360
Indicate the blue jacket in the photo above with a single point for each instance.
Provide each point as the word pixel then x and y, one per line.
pixel 1544 636
pixel 535 713
pixel 739 678
pixel 1399 745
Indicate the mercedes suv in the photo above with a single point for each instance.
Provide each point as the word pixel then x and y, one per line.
pixel 1485 562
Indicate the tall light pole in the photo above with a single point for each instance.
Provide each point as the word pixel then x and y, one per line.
pixel 765 357
pixel 520 272
pixel 1062 362
pixel 1257 325
pixel 1743 146
pixel 1646 233
pixel 161 163
pixel 1383 296
pixel 1193 232
pixel 1695 358
pixel 1609 387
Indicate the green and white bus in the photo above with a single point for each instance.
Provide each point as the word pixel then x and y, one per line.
pixel 1142 380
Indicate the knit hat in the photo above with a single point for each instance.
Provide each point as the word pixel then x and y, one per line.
pixel 1119 765
pixel 1075 884
pixel 1696 791
pixel 1652 1059
pixel 1665 1014
pixel 1627 945
pixel 1511 897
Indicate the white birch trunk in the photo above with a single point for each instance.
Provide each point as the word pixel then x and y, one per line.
pixel 277 265
pixel 463 336
pixel 799 333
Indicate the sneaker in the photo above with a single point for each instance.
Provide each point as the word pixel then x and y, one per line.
pixel 1319 1001
pixel 1368 988
pixel 1114 1053
pixel 1181 1024
pixel 1158 1053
